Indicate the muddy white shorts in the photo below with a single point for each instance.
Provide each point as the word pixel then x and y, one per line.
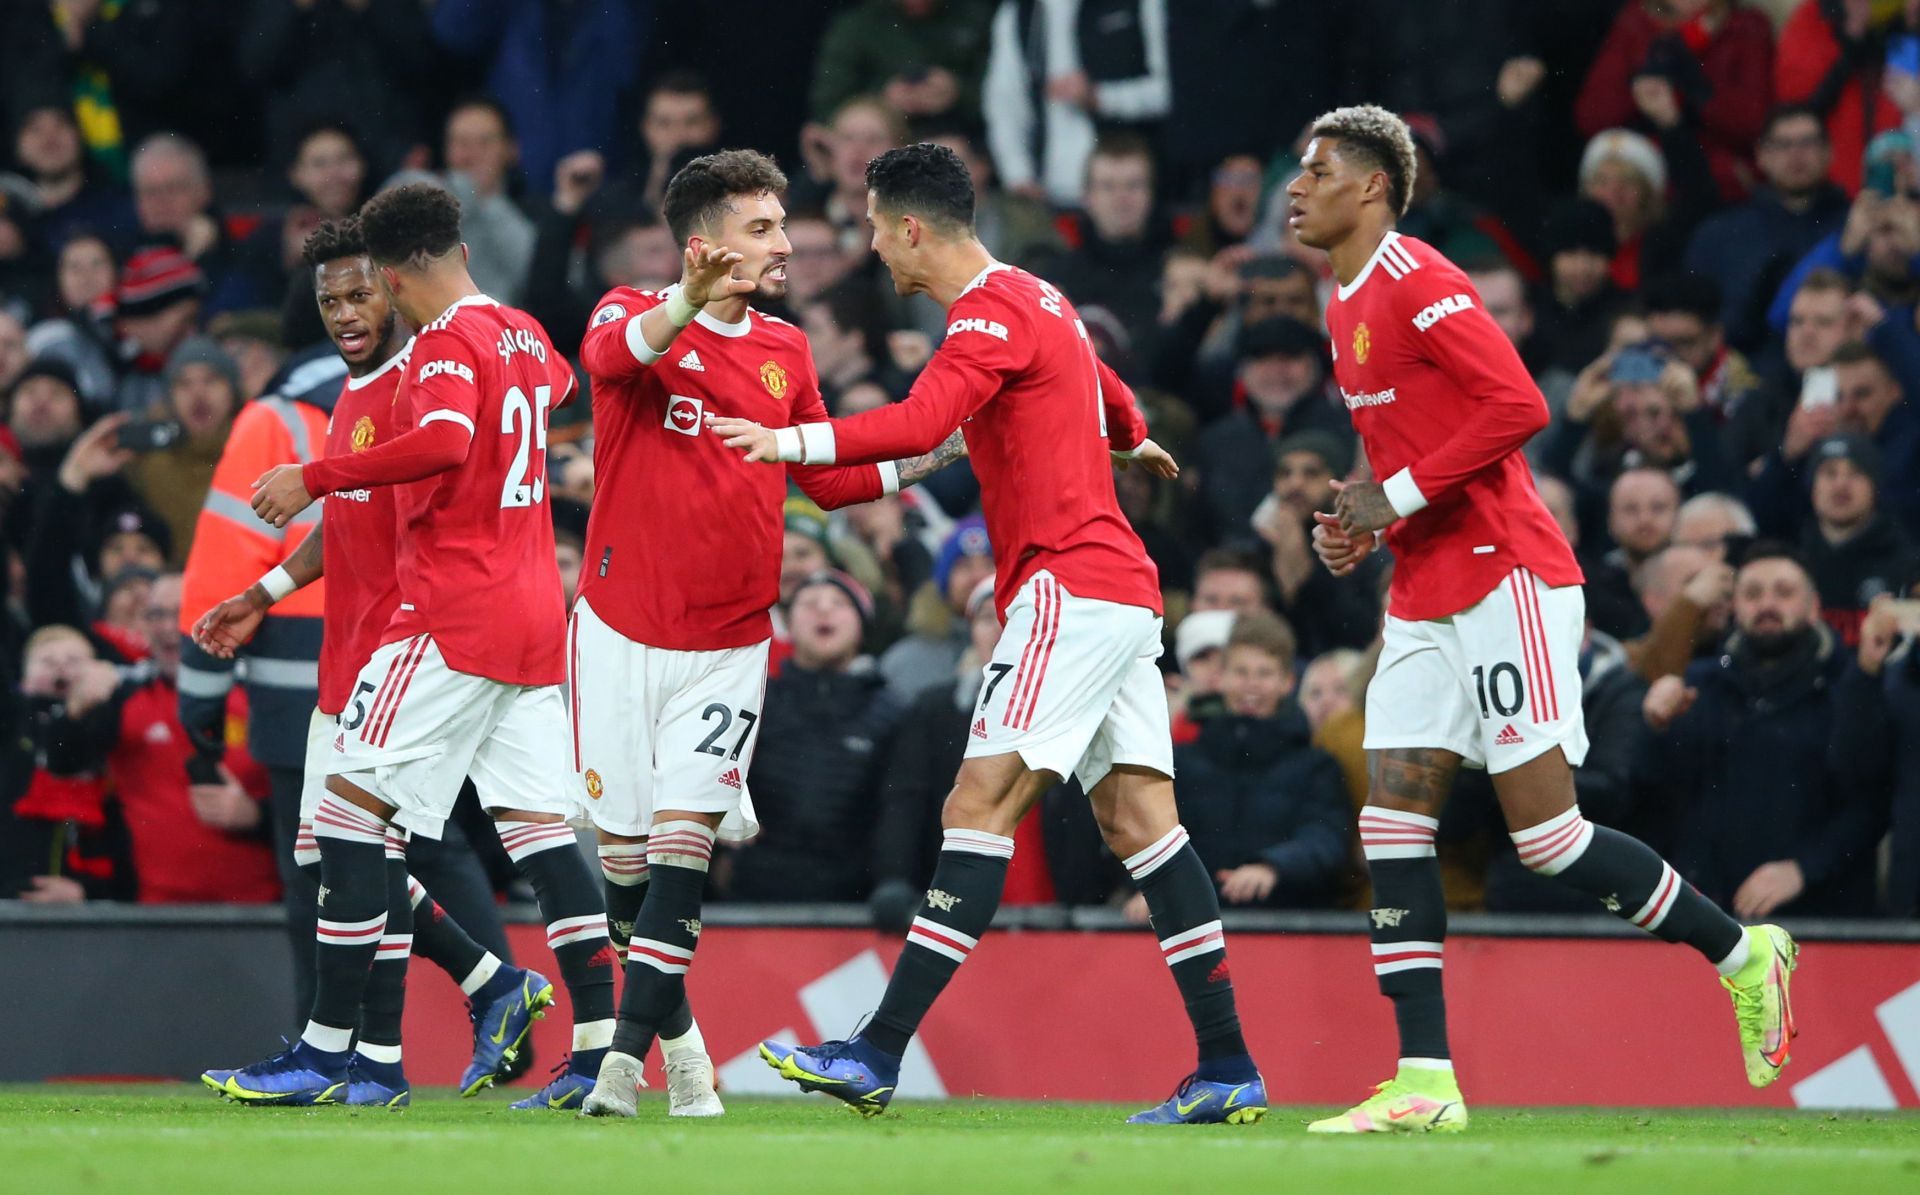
pixel 1073 687
pixel 1497 684
pixel 661 729
pixel 414 730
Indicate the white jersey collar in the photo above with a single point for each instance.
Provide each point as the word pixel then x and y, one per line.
pixel 993 267
pixel 397 361
pixel 713 323
pixel 1346 292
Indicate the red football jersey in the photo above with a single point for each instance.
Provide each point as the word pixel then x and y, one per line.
pixel 358 536
pixel 1443 406
pixel 1040 411
pixel 683 543
pixel 475 562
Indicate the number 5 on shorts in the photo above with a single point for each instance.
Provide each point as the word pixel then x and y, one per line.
pixel 357 707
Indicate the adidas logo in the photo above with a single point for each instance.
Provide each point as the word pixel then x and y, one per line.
pixel 692 361
pixel 1508 737
pixel 1220 974
pixel 732 778
pixel 980 729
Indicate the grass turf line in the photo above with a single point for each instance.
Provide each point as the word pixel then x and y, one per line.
pixel 162 1140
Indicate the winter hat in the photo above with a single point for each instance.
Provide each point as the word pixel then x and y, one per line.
pixel 202 350
pixel 155 279
pixel 844 582
pixel 803 517
pixel 1857 449
pixel 1201 631
pixel 968 538
pixel 1324 444
pixel 981 595
pixel 1281 336
pixel 1581 224
pixel 1625 145
pixel 133 518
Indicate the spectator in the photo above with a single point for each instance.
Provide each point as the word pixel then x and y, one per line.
pixel 1683 312
pixel 1853 550
pixel 817 263
pixel 1628 174
pixel 1769 819
pixel 1327 686
pixel 1819 322
pixel 1687 593
pixel 1831 58
pixel 562 69
pixel 1013 226
pixel 1870 402
pixel 157 308
pixel 44 414
pixel 1640 514
pixel 862 129
pixel 938 616
pixel 1637 407
pixel 1698 68
pixel 1225 579
pixel 193 842
pixel 1201 323
pixel 327 174
pixel 252 340
pixel 1324 611
pixel 173 203
pixel 634 250
pixel 1445 218
pixel 1114 248
pixel 1748 248
pixel 131 63
pixel 1283 384
pixel 1878 721
pixel 923 57
pixel 1058 71
pixel 825 729
pixel 569 544
pixel 1057 853
pixel 1267 810
pixel 1231 213
pixel 1198 643
pixel 203 396
pixel 1876 245
pixel 1574 314
pixel 678 122
pixel 67 194
pixel 338 60
pixel 482 158
pixel 13 348
pixel 1503 296
pixel 845 327
pixel 80 331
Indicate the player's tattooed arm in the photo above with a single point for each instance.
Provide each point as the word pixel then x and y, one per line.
pixel 1416 779
pixel 918 468
pixel 1363 508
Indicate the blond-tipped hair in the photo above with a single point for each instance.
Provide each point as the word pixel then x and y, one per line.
pixel 1379 139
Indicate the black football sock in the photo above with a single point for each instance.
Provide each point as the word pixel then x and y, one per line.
pixel 385 1000
pixel 576 917
pixel 1185 910
pixel 624 867
pixel 1409 928
pixel 439 939
pixel 352 918
pixel 959 906
pixel 665 934
pixel 1631 882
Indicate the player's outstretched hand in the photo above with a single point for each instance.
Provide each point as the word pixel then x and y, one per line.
pixel 756 441
pixel 1362 508
pixel 706 276
pixel 1335 549
pixel 229 626
pixel 279 494
pixel 1151 457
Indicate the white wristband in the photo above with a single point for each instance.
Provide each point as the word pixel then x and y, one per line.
pixel 889 477
pixel 278 583
pixel 1403 493
pixel 786 443
pixel 816 442
pixel 679 310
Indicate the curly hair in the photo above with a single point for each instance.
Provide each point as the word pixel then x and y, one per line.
pixel 411 225
pixel 333 240
pixel 697 194
pixel 925 180
pixel 1373 137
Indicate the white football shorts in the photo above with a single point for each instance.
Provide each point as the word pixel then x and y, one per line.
pixel 1497 684
pixel 661 729
pixel 414 730
pixel 1073 686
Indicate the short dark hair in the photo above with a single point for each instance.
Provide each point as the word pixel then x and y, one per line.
pixel 1227 560
pixel 1683 294
pixel 682 82
pixel 333 240
pixel 1265 632
pixel 411 225
pixel 1781 113
pixel 1827 278
pixel 1855 351
pixel 698 192
pixel 1378 139
pixel 485 103
pixel 1123 143
pixel 1774 549
pixel 854 306
pixel 925 180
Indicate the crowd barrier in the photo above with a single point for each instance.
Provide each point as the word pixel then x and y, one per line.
pixel 1055 1005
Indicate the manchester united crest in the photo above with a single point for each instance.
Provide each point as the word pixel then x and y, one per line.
pixel 594 787
pixel 1362 342
pixel 774 379
pixel 363 434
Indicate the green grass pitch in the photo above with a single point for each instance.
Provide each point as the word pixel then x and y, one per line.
pixel 164 1139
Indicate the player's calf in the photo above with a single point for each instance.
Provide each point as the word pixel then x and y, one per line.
pixel 570 903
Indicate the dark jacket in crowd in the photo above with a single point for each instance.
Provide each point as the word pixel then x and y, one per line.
pixel 1879 724
pixel 1123 278
pixel 1612 605
pixel 1850 574
pixel 1332 612
pixel 1748 250
pixel 816 784
pixel 1235 458
pixel 1256 790
pixel 336 62
pixel 1753 774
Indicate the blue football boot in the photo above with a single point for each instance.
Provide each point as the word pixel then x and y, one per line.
pixel 373 1084
pixel 301 1076
pixel 568 1090
pixel 1204 1101
pixel 501 1026
pixel 853 1071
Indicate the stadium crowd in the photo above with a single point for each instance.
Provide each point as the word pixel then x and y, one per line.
pixel 1698 221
